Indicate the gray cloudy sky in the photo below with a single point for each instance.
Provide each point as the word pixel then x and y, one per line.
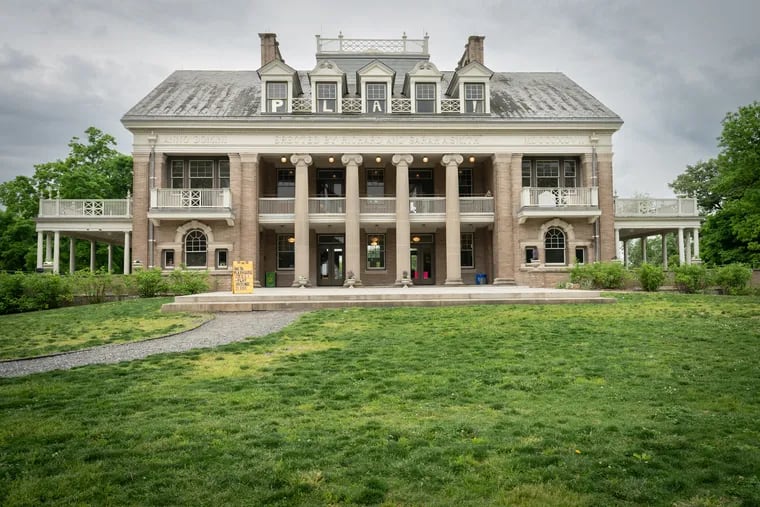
pixel 671 69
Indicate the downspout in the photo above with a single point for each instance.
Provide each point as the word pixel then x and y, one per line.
pixel 152 174
pixel 595 184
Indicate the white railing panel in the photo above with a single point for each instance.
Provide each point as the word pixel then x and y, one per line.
pixel 84 208
pixel 450 105
pixel 352 105
pixel 190 198
pixel 302 105
pixel 418 205
pixel 476 204
pixel 378 205
pixel 560 197
pixel 646 207
pixel 399 46
pixel 277 206
pixel 327 205
pixel 401 105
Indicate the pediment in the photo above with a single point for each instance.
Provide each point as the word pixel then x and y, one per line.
pixel 375 68
pixel 327 68
pixel 276 68
pixel 425 69
pixel 475 69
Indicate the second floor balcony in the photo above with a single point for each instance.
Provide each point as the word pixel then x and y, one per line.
pixel 191 203
pixel 648 207
pixel 542 202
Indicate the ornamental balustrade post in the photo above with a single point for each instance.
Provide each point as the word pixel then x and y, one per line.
pixel 453 226
pixel 403 232
pixel 353 236
pixel 301 225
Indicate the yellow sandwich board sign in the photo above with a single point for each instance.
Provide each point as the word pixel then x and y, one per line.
pixel 242 277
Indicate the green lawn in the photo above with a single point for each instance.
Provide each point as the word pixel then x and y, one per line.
pixel 79 327
pixel 654 400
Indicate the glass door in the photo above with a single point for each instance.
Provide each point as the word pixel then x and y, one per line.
pixel 422 254
pixel 330 271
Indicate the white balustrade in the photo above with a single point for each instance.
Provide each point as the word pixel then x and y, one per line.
pixel 277 206
pixel 450 105
pixel 378 205
pixel 646 207
pixel 302 105
pixel 420 205
pixel 327 205
pixel 190 198
pixel 476 204
pixel 352 105
pixel 560 197
pixel 85 208
pixel 401 105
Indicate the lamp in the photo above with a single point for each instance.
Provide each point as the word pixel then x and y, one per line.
pixel 284 160
pixel 472 159
pixel 291 239
pixel 378 159
pixel 374 240
pixel 416 239
pixel 425 160
pixel 331 159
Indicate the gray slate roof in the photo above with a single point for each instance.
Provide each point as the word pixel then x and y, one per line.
pixel 525 96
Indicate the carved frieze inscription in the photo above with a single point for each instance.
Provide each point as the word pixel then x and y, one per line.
pixel 323 140
pixel 192 139
pixel 556 140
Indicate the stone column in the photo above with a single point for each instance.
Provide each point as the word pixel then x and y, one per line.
pixel 503 228
pixel 696 243
pixel 664 251
pixel 48 247
pixel 617 242
pixel 644 241
pixel 453 225
pixel 40 241
pixel 681 254
pixel 625 253
pixel 127 253
pixel 92 256
pixel 245 167
pixel 72 255
pixel 110 258
pixel 403 232
pixel 353 236
pixel 606 206
pixel 140 206
pixel 57 252
pixel 302 163
pixel 688 247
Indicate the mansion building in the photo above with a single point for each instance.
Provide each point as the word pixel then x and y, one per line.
pixel 374 165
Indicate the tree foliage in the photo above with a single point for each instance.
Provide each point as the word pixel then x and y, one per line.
pixel 93 169
pixel 728 190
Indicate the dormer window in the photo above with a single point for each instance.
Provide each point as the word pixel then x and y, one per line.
pixel 474 98
pixel 425 97
pixel 327 97
pixel 377 98
pixel 277 97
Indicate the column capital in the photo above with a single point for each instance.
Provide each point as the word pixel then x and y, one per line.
pixel 452 159
pixel 352 158
pixel 301 158
pixel 404 159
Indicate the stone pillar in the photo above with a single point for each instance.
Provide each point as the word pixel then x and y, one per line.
pixel 72 255
pixel 503 228
pixel 453 225
pixel 245 167
pixel 696 243
pixel 92 256
pixel 127 253
pixel 57 252
pixel 110 258
pixel 664 251
pixel 403 232
pixel 617 242
pixel 644 241
pixel 48 247
pixel 606 206
pixel 40 241
pixel 353 235
pixel 688 247
pixel 625 253
pixel 302 163
pixel 140 206
pixel 681 254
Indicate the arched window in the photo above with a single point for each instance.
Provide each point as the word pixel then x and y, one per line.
pixel 554 245
pixel 196 246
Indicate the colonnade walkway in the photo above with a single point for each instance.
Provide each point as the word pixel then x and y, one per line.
pixel 309 298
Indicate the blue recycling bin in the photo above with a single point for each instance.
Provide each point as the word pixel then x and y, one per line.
pixel 481 279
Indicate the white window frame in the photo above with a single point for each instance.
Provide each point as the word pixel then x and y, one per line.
pixel 436 95
pixel 367 100
pixel 486 94
pixel 464 239
pixel 482 88
pixel 555 177
pixel 291 250
pixel 548 249
pixel 223 174
pixel 186 250
pixel 288 95
pixel 173 175
pixel 381 251
pixel 338 96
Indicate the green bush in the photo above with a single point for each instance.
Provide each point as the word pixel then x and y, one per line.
pixel 732 279
pixel 691 278
pixel 45 291
pixel 149 282
pixel 650 277
pixel 93 285
pixel 11 292
pixel 599 275
pixel 183 281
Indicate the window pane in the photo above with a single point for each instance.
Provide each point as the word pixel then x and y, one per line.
pixel 286 251
pixel 195 248
pixel 286 183
pixel 425 97
pixel 375 183
pixel 376 98
pixel 467 256
pixel 570 174
pixel 376 251
pixel 277 97
pixel 474 97
pixel 201 174
pixel 526 173
pixel 554 244
pixel 327 97
pixel 465 182
pixel 224 174
pixel 178 173
pixel 547 173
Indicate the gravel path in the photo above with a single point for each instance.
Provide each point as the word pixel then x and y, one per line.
pixel 224 328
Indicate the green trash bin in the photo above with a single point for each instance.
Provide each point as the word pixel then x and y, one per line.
pixel 271 279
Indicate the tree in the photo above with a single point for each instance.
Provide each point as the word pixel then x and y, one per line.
pixel 727 189
pixel 93 170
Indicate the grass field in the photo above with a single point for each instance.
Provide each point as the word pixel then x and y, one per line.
pixel 79 327
pixel 650 401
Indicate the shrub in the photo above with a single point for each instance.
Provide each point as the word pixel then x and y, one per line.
pixel 651 277
pixel 11 292
pixel 599 275
pixel 183 281
pixel 691 278
pixel 732 279
pixel 44 291
pixel 93 285
pixel 149 282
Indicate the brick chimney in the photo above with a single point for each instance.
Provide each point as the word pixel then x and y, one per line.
pixel 270 48
pixel 473 51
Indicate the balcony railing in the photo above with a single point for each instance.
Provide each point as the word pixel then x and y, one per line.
pixel 645 207
pixel 402 46
pixel 183 198
pixel 327 205
pixel 277 206
pixel 85 208
pixel 378 205
pixel 476 204
pixel 560 197
pixel 430 205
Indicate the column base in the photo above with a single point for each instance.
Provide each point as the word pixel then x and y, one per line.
pixel 453 282
pixel 403 283
pixel 504 281
pixel 301 283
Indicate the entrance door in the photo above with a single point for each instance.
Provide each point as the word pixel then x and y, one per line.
pixel 330 270
pixel 422 253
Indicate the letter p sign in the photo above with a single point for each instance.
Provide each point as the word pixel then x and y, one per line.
pixel 278 106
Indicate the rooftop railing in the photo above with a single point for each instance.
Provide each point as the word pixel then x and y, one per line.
pixel 647 207
pixel 50 208
pixel 402 46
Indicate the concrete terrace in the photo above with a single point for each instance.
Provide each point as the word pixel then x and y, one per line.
pixel 340 297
